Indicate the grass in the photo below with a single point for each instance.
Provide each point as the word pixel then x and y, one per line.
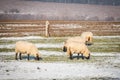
pixel 63 58
pixel 6 50
pixel 104 78
pixel 44 40
pixel 100 44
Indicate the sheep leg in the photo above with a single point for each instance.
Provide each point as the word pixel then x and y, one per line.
pixel 71 56
pixel 16 56
pixel 78 56
pixel 28 57
pixel 82 56
pixel 20 56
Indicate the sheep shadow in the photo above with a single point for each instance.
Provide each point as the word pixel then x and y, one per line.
pixel 30 58
pixel 77 57
pixel 89 43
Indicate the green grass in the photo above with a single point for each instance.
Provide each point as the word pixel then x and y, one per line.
pixel 46 40
pixel 6 50
pixel 106 40
pixel 54 58
pixel 100 44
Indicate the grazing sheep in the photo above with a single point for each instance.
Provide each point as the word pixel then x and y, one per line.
pixel 73 39
pixel 88 36
pixel 78 48
pixel 76 39
pixel 23 47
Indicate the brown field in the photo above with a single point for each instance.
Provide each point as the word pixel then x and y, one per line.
pixel 58 28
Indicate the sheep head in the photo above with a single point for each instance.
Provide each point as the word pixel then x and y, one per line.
pixel 64 48
pixel 87 54
pixel 37 56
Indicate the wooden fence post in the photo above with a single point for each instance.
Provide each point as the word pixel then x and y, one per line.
pixel 47 24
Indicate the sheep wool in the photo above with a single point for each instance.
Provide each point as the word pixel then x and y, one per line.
pixel 76 39
pixel 88 36
pixel 24 47
pixel 73 39
pixel 78 48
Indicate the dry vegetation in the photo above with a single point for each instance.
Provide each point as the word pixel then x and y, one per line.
pixel 58 28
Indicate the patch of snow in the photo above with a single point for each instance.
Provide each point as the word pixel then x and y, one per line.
pixel 106 37
pixel 44 52
pixel 49 45
pixel 7 53
pixel 39 37
pixel 35 70
pixel 8 46
pixel 38 45
pixel 105 53
pixel 22 38
pixel 67 25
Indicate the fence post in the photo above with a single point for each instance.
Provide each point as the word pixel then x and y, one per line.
pixel 47 24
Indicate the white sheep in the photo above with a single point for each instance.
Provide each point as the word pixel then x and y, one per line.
pixel 76 39
pixel 73 39
pixel 78 48
pixel 24 47
pixel 88 36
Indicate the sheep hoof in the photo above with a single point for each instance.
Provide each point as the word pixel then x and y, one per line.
pixel 40 58
pixel 77 58
pixel 87 58
pixel 16 58
pixel 83 58
pixel 71 58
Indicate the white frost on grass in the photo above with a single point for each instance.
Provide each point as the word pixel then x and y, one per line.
pixel 48 53
pixel 36 70
pixel 105 53
pixel 42 52
pixel 7 53
pixel 39 37
pixel 30 38
pixel 58 53
pixel 98 37
pixel 22 38
pixel 8 46
pixel 38 45
pixel 49 45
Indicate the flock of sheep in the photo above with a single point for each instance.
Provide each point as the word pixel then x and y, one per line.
pixel 72 45
pixel 79 45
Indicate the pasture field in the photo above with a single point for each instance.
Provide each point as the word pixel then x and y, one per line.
pixel 104 63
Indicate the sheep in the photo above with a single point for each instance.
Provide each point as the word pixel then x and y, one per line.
pixel 78 48
pixel 76 39
pixel 73 39
pixel 88 36
pixel 24 47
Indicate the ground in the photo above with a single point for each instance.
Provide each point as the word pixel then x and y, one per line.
pixel 104 63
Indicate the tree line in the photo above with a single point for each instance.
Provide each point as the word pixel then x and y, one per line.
pixel 98 2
